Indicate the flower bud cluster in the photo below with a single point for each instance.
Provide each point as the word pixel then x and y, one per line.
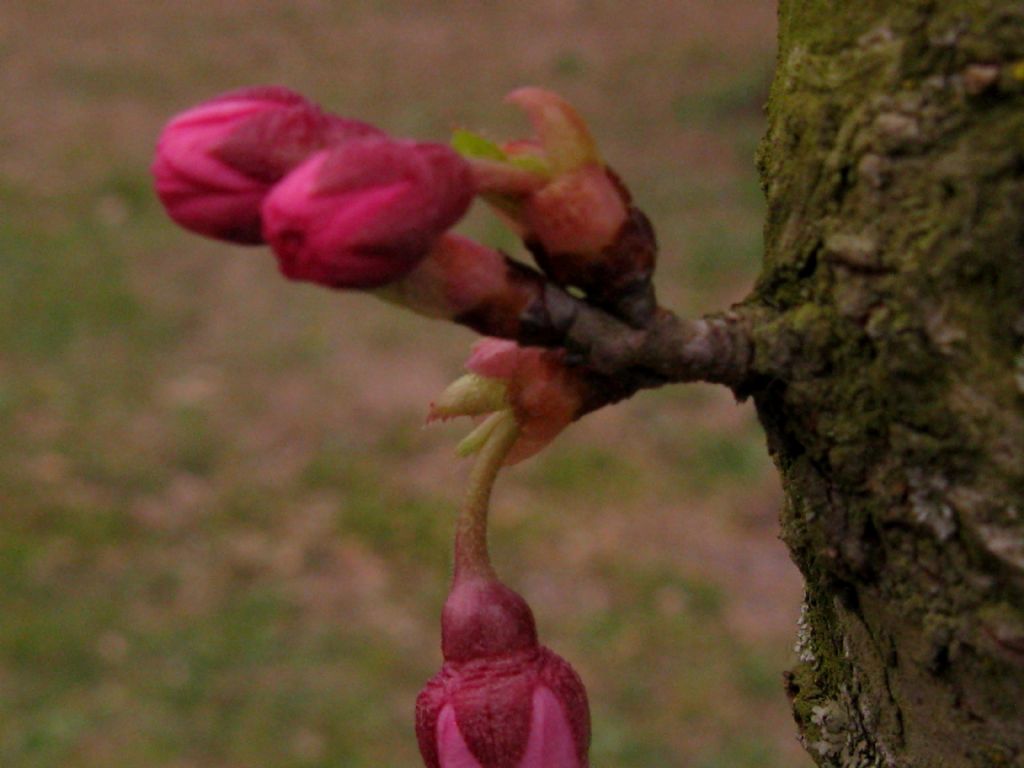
pixel 344 205
pixel 339 201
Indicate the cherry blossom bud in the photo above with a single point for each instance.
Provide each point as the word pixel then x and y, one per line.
pixel 541 391
pixel 579 213
pixel 216 162
pixel 573 212
pixel 579 208
pixel 581 226
pixel 365 213
pixel 501 700
pixel 559 131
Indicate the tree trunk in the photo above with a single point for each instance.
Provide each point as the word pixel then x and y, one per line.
pixel 892 373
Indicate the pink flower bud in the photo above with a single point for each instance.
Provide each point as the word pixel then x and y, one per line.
pixel 578 214
pixel 366 212
pixel 216 162
pixel 571 209
pixel 582 209
pixel 501 700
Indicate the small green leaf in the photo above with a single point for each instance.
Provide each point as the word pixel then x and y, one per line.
pixel 469 144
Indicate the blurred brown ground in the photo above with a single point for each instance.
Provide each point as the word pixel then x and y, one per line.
pixel 224 535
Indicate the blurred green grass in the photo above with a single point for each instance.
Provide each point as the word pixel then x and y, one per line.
pixel 224 535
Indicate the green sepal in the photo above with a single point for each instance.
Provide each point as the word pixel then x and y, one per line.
pixel 470 395
pixel 531 163
pixel 478 438
pixel 469 144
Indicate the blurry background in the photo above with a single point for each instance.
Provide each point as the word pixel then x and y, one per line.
pixel 224 533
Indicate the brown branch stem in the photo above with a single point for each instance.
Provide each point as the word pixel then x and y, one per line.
pixel 715 348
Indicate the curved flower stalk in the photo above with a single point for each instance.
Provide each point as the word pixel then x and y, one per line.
pixel 501 700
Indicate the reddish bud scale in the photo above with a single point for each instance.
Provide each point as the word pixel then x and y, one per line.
pixel 579 212
pixel 618 277
pixel 471 284
pixel 578 219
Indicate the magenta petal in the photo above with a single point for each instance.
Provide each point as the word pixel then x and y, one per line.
pixel 551 743
pixel 224 216
pixel 261 94
pixel 451 747
pixel 327 239
pixel 366 212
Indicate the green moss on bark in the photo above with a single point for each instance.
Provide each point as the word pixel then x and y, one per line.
pixel 894 173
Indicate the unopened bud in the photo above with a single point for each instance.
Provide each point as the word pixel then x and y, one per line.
pixel 581 209
pixel 576 216
pixel 216 162
pixel 573 212
pixel 365 213
pixel 501 700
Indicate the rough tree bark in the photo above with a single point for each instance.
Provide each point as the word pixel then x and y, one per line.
pixel 889 373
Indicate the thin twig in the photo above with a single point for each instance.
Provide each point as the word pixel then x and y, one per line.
pixel 715 348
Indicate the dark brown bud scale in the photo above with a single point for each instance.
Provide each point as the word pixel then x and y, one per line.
pixel 619 278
